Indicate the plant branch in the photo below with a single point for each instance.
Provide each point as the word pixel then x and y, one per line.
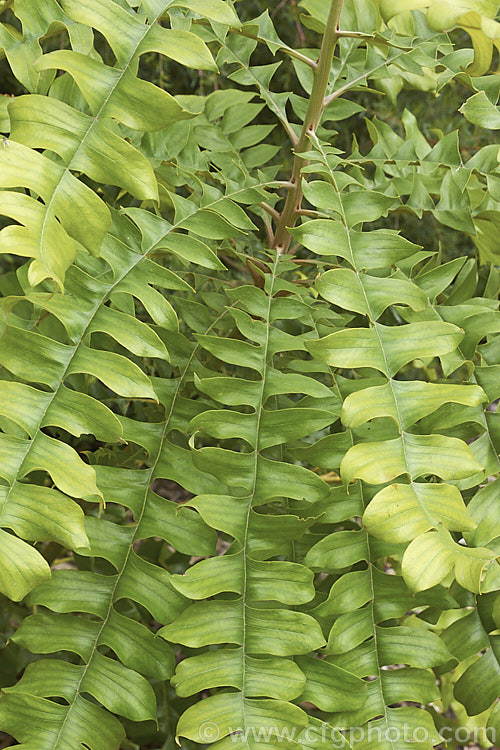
pixel 308 212
pixel 315 109
pixel 270 210
pixel 284 48
pixel 354 35
pixel 268 226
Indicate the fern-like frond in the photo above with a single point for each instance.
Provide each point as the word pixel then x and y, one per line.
pixel 403 449
pixel 273 489
pixel 38 357
pixel 388 421
pixel 87 141
pixel 253 619
pixel 361 607
pixel 112 627
pixel 97 303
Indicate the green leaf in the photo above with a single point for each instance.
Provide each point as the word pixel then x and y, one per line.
pixel 471 639
pixel 329 687
pixel 43 122
pixel 406 402
pixel 414 646
pixel 368 295
pixel 223 714
pixel 363 250
pixel 96 80
pixel 118 373
pixel 338 550
pixel 226 573
pixel 324 196
pixel 22 568
pixel 217 10
pixel 279 632
pixel 182 46
pixel 413 455
pixel 386 348
pixel 432 556
pixel 120 689
pixel 420 507
pixel 42 514
pixel 28 718
pixel 39 231
pixel 279 678
pixel 276 427
pixel 479 110
pixel 478 687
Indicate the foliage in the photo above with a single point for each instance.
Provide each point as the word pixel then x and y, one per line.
pixel 249 439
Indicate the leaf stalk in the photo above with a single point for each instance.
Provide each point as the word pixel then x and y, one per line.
pixel 293 203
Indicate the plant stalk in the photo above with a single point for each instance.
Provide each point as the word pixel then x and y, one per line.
pixel 282 237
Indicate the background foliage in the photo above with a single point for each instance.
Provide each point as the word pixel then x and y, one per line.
pixel 248 476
